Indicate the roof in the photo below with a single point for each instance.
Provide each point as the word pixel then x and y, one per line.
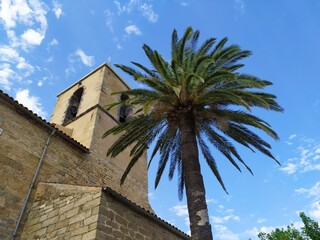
pixel 28 113
pixel 145 212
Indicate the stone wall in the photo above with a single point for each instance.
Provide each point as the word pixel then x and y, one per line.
pixel 63 212
pixel 121 219
pixel 21 144
pixel 82 213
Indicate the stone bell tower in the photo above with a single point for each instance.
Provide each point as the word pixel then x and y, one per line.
pixel 80 113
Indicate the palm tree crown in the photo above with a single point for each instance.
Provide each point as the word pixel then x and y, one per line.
pixel 198 91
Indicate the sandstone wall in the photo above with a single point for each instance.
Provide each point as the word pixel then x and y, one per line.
pixel 121 219
pixel 63 212
pixel 21 144
pixel 82 213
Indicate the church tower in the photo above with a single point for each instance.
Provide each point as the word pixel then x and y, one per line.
pixel 80 113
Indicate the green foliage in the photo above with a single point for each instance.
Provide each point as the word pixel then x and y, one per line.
pixel 205 82
pixel 310 231
pixel 311 228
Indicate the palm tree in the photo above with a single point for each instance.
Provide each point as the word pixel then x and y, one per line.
pixel 187 105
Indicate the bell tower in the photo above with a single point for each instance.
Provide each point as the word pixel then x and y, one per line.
pixel 80 113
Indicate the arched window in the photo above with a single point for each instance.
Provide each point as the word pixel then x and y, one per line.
pixel 124 110
pixel 73 107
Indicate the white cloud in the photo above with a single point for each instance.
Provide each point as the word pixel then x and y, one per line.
pixel 126 7
pixel 71 69
pixel 137 5
pixel 292 136
pixel 223 233
pixel 54 42
pixel 224 219
pixel 31 102
pixel 184 3
pixel 239 6
pixel 109 20
pixel 148 12
pixel 19 14
pixel 211 200
pixel 151 195
pixel 119 46
pixel 85 59
pixel 261 220
pixel 226 216
pixel 132 29
pixel 32 37
pixel 10 57
pixel 252 233
pixel 314 191
pixel 8 54
pixel 289 169
pixel 30 14
pixel 315 211
pixel 307 158
pixel 6 74
pixel 120 8
pixel 12 12
pixel 180 210
pixel 10 74
pixel 57 9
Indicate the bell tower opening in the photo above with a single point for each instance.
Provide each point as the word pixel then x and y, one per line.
pixel 73 107
pixel 124 110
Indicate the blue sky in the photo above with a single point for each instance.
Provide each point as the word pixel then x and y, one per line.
pixel 45 46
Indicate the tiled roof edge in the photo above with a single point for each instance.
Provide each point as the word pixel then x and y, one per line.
pixel 42 121
pixel 145 212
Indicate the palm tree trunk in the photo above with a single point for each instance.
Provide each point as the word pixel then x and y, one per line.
pixel 197 206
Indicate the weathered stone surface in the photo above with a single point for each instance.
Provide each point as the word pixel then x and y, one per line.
pixel 134 225
pixel 76 222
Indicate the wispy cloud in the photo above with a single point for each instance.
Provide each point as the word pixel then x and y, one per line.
pixel 180 210
pixel 151 196
pixel 261 220
pixel 308 156
pixel 77 60
pixel 143 7
pixel 292 136
pixel 57 9
pixel 184 3
pixel 54 42
pixel 6 76
pixel 85 59
pixel 109 20
pixel 226 216
pixel 148 12
pixel 290 168
pixel 314 191
pixel 239 5
pixel 314 194
pixel 315 210
pixel 31 102
pixel 222 232
pixel 132 29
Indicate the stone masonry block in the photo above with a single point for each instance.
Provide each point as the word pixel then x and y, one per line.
pixel 90 235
